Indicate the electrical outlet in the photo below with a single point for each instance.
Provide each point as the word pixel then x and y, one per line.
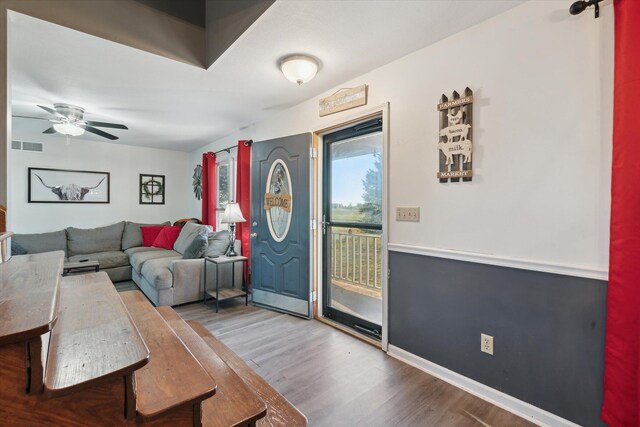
pixel 486 344
pixel 408 214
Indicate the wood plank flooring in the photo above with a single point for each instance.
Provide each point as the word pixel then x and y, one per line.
pixel 337 380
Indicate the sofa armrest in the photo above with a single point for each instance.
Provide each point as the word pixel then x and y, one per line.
pixel 187 280
pixel 188 277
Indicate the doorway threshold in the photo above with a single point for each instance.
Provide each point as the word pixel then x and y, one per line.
pixel 349 331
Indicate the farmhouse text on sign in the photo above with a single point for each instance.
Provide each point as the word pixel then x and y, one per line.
pixel 455 103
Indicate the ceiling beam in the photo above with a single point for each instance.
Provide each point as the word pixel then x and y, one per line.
pixel 226 21
pixel 127 22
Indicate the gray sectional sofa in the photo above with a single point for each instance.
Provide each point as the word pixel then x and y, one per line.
pixel 163 275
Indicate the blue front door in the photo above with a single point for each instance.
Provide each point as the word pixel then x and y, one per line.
pixel 281 224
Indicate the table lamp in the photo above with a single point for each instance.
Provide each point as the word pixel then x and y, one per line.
pixel 231 215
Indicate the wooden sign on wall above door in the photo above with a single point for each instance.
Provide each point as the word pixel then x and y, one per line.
pixel 454 143
pixel 343 99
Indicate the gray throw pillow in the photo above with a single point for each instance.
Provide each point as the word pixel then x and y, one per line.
pixel 197 247
pixel 187 235
pixel 16 249
pixel 218 243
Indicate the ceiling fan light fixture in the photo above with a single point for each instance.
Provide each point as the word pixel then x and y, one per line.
pixel 299 68
pixel 68 129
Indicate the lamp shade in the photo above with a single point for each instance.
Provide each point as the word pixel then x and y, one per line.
pixel 232 214
pixel 68 129
pixel 299 68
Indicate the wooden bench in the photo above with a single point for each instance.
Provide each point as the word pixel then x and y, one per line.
pixel 28 295
pixel 29 309
pixel 79 364
pixel 234 403
pixel 94 341
pixel 173 384
pixel 280 412
pixel 112 359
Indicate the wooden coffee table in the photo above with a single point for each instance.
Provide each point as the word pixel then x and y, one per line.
pixel 77 266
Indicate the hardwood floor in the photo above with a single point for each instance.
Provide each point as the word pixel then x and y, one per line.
pixel 337 380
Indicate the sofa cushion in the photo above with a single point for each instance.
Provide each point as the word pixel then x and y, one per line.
pixel 218 243
pixel 157 273
pixel 138 259
pixel 17 249
pixel 198 246
pixel 109 259
pixel 137 249
pixel 188 234
pixel 132 235
pixel 94 240
pixel 167 237
pixel 42 242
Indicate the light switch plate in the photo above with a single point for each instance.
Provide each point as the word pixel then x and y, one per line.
pixel 408 214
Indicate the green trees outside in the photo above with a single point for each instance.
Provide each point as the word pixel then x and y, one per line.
pixel 371 209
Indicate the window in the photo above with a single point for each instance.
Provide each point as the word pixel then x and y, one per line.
pixel 223 179
pixel 225 183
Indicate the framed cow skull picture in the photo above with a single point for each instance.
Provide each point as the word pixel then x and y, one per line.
pixel 68 186
pixel 455 145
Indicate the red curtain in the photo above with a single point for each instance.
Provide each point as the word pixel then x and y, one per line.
pixel 243 197
pixel 209 199
pixel 622 353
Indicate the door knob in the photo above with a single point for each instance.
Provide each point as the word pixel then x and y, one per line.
pixel 254 235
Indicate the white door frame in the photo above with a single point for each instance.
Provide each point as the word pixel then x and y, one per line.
pixel 344 122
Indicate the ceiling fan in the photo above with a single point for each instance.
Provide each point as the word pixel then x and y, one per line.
pixel 68 120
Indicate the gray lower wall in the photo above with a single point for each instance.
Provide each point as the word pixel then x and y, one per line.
pixel 548 329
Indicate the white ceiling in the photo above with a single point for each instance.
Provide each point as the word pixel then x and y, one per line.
pixel 168 104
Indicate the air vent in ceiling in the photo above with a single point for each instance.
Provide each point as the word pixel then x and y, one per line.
pixel 16 145
pixel 31 146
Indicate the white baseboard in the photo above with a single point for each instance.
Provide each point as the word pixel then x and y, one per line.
pixel 545 267
pixel 509 403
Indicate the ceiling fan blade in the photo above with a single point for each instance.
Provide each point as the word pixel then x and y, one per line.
pixel 50 130
pixel 107 125
pixel 51 111
pixel 98 132
pixel 29 117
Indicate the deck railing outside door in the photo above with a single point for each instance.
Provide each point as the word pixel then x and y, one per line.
pixel 356 258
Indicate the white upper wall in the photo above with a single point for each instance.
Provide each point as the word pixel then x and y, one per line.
pixel 543 84
pixel 124 163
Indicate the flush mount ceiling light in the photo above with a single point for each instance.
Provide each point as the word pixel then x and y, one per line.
pixel 299 68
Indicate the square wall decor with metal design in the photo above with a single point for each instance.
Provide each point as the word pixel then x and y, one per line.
pixel 152 189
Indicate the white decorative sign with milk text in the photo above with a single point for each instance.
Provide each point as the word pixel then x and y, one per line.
pixel 454 144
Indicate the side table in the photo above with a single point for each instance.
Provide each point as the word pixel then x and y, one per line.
pixel 225 293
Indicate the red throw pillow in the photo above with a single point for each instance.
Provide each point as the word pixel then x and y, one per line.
pixel 149 234
pixel 167 237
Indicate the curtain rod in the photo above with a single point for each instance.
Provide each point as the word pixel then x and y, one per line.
pixel 228 149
